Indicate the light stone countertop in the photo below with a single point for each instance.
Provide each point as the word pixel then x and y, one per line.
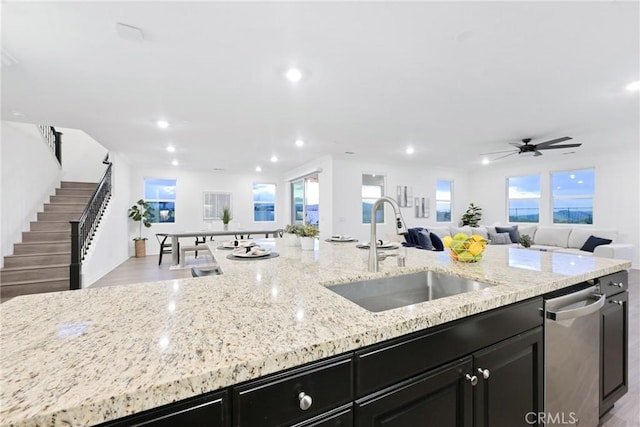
pixel 84 357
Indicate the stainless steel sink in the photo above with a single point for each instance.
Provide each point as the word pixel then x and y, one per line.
pixel 399 291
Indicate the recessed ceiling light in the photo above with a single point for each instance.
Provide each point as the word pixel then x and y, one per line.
pixel 274 158
pixel 633 87
pixel 174 162
pixel 485 161
pixel 349 152
pixel 294 75
pixel 171 149
pixel 163 124
pixel 258 169
pixel 299 142
pixel 410 150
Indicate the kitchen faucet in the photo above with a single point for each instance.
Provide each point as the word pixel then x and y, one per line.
pixel 373 244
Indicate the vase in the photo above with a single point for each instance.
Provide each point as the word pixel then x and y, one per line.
pixel 307 243
pixel 141 248
pixel 225 227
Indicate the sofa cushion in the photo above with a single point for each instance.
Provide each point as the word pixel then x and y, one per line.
pixel 579 236
pixel 481 231
pixel 512 230
pixel 419 237
pixel 436 242
pixel 465 229
pixel 500 238
pixel 552 236
pixel 440 231
pixel 529 230
pixel 594 241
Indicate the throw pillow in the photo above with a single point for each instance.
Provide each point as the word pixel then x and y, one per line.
pixel 424 240
pixel 594 241
pixel 436 242
pixel 513 232
pixel 500 238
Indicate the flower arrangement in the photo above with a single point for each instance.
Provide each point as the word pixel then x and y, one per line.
pixel 307 230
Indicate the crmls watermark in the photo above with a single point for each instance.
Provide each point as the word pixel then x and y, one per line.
pixel 558 418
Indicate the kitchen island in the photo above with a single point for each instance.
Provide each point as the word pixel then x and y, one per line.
pixel 89 356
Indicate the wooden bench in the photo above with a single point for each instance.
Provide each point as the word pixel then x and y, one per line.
pixel 192 248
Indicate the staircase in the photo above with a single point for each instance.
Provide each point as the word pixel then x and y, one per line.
pixel 40 263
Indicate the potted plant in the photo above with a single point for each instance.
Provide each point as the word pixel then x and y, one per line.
pixel 308 234
pixel 140 213
pixel 525 241
pixel 472 216
pixel 226 217
pixel 291 235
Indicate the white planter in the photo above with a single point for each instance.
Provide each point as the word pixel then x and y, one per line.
pixel 307 243
pixel 291 239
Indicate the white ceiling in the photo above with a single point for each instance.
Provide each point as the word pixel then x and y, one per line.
pixel 452 79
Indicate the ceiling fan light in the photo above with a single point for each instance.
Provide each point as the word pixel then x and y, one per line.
pixel 527 153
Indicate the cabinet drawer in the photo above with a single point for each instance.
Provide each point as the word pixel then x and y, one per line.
pixel 614 283
pixel 384 364
pixel 275 401
pixel 341 417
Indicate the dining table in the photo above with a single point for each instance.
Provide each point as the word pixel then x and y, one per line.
pixel 238 234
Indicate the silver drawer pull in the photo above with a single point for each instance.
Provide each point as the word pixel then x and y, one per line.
pixel 305 401
pixel 472 379
pixel 618 285
pixel 484 372
pixel 620 303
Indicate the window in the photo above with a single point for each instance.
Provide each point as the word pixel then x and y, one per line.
pixel 264 202
pixel 443 201
pixel 305 200
pixel 372 189
pixel 573 196
pixel 161 196
pixel 214 203
pixel 524 198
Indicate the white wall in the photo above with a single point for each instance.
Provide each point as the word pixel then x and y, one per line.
pixel 189 199
pixel 347 198
pixel 617 194
pixel 30 173
pixel 110 245
pixel 81 156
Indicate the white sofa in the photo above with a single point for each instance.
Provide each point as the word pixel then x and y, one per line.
pixel 555 238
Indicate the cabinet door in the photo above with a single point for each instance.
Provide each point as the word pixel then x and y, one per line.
pixel 439 398
pixel 510 376
pixel 204 411
pixel 614 341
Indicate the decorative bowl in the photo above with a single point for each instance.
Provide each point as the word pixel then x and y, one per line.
pixel 463 248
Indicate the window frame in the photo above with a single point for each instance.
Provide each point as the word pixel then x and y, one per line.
pixel 449 201
pixel 380 217
pixel 154 203
pixel 274 202
pixel 585 196
pixel 508 198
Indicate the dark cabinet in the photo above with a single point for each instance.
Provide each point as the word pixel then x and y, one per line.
pixel 440 398
pixel 510 374
pixel 614 324
pixel 209 410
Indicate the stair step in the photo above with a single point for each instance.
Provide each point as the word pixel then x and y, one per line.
pixel 70 199
pixel 64 207
pixel 58 216
pixel 50 226
pixel 33 260
pixel 74 192
pixel 45 236
pixel 40 248
pixel 34 273
pixel 14 289
pixel 75 184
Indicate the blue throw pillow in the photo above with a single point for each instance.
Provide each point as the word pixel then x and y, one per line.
pixel 436 242
pixel 513 232
pixel 594 241
pixel 424 240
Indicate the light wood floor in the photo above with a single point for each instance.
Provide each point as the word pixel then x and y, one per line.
pixel 626 412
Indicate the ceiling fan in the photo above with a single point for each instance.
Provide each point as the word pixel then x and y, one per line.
pixel 527 149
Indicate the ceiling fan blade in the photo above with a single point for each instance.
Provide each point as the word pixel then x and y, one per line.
pixel 537 153
pixel 506 155
pixel 558 146
pixel 496 152
pixel 516 144
pixel 553 141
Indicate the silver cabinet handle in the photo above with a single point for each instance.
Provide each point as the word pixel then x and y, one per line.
pixel 620 303
pixel 472 379
pixel 577 312
pixel 618 285
pixel 484 372
pixel 305 401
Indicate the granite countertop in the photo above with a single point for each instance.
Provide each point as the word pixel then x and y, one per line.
pixel 83 357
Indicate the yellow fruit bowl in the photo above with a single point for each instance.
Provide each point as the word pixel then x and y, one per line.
pixel 463 248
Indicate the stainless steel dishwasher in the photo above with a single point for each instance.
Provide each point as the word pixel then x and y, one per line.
pixel 572 354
